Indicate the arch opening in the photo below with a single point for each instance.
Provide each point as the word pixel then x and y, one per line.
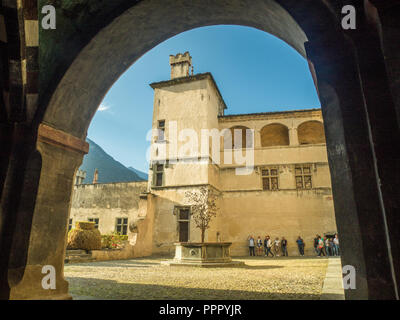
pixel 116 47
pixel 274 134
pixel 85 83
pixel 311 132
pixel 238 137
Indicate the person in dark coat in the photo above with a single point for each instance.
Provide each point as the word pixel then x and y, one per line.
pixel 284 247
pixel 300 245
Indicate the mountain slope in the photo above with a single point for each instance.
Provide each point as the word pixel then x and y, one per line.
pixel 109 169
pixel 141 174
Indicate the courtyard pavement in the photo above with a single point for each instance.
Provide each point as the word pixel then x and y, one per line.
pixel 333 283
pixel 261 278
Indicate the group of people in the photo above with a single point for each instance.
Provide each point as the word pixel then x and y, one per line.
pixel 267 246
pixel 259 247
pixel 326 247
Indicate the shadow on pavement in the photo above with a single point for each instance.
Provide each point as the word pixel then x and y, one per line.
pixel 100 289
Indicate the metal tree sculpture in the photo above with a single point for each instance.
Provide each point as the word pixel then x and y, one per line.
pixel 203 208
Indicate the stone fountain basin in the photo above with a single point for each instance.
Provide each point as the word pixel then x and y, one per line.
pixel 207 254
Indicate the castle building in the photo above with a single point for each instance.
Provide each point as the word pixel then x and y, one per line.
pixel 269 171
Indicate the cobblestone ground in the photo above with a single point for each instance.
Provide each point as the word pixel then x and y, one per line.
pixel 145 278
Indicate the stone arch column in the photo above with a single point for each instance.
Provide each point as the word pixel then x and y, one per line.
pixel 386 17
pixel 19 72
pixel 378 61
pixel 75 89
pixel 257 136
pixel 43 241
pixel 293 137
pixel 359 210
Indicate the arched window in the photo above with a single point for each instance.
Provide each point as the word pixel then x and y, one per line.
pixel 238 137
pixel 274 134
pixel 311 132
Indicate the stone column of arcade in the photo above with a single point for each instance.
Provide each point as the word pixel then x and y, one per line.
pixel 5 150
pixel 61 155
pixel 359 210
pixel 387 19
pixel 384 125
pixel 293 137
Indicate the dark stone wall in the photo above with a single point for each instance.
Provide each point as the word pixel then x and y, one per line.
pixel 77 22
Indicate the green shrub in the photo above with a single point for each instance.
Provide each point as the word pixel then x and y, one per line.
pixel 113 241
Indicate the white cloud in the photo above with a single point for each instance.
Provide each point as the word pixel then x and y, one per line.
pixel 103 107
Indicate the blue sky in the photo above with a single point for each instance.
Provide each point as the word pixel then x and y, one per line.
pixel 255 72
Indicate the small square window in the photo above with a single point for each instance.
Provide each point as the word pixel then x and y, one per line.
pixel 161 130
pixel 270 179
pixel 121 226
pixel 303 177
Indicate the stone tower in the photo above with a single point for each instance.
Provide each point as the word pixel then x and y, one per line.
pixel 185 103
pixel 180 65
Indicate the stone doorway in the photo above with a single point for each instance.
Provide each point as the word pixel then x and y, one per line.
pixel 183 225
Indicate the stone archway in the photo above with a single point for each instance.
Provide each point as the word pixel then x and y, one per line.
pixel 139 29
pixel 238 137
pixel 69 103
pixel 274 134
pixel 311 132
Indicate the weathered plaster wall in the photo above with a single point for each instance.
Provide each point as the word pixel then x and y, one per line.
pixel 165 221
pixel 288 213
pixel 107 202
pixel 230 181
pixel 140 238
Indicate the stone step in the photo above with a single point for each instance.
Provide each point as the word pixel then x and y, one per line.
pixel 75 259
pixel 78 256
pixel 76 251
pixel 66 261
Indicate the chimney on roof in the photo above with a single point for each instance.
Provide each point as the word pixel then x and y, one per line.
pixel 180 65
pixel 95 176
